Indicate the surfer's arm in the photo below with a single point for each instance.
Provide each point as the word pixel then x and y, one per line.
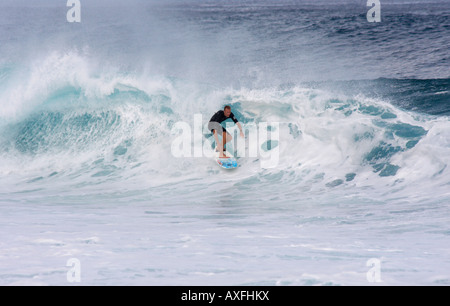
pixel 240 128
pixel 237 123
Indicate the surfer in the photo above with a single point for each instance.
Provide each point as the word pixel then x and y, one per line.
pixel 215 126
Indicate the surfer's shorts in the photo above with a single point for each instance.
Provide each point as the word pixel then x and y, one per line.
pixel 216 126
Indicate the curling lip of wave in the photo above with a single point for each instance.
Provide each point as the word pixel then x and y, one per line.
pixel 116 129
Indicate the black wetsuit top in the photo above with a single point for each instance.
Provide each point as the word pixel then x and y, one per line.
pixel 219 117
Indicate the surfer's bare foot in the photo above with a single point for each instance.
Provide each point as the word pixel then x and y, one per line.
pixel 223 156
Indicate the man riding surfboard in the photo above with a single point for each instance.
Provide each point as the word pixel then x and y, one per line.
pixel 215 126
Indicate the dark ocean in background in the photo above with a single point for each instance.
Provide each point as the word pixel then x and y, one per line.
pixel 87 117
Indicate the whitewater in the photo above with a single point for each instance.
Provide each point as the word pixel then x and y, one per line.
pixel 359 194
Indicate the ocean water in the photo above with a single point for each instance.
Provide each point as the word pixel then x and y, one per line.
pixel 88 171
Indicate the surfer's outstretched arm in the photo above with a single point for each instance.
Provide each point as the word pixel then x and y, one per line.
pixel 240 128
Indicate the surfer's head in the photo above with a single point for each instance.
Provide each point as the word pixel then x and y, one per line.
pixel 227 111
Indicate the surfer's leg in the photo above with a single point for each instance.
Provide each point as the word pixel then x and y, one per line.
pixel 216 137
pixel 220 146
pixel 217 129
pixel 226 138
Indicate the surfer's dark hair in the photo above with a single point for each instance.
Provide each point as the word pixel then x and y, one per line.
pixel 227 107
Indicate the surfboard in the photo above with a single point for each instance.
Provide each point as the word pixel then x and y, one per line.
pixel 226 163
